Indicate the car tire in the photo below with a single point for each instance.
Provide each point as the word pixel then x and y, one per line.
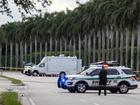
pixel 81 87
pixel 71 90
pixel 35 73
pixel 26 73
pixel 29 73
pixel 123 88
pixel 114 91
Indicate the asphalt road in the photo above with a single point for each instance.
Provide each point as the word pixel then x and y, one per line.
pixel 44 91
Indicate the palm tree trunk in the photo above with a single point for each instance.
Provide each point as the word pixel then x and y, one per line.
pixel 6 54
pixel 74 47
pixel 46 47
pixel 117 46
pixel 89 48
pixel 132 49
pixel 60 46
pixel 0 54
pixel 35 50
pixel 103 45
pixel 11 54
pixel 56 46
pixel 21 54
pixel 50 44
pixel 127 48
pixel 121 49
pixel 79 46
pixel 70 47
pixel 108 43
pixel 94 47
pixel 85 50
pixel 138 49
pixel 31 51
pixel 65 41
pixel 112 44
pixel 25 52
pixel 17 55
pixel 40 51
pixel 99 45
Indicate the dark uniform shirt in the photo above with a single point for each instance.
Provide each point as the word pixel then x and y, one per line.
pixel 103 77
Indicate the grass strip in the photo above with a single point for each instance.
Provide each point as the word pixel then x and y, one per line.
pixel 13 80
pixel 10 98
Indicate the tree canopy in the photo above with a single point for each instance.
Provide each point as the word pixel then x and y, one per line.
pixel 24 6
pixel 91 28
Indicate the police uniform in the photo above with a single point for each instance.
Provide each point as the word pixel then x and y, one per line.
pixel 102 80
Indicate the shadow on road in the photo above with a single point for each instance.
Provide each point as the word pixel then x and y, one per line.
pixel 102 93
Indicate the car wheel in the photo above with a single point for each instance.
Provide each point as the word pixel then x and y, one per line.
pixel 123 88
pixel 71 90
pixel 81 87
pixel 114 91
pixel 29 73
pixel 35 73
pixel 26 73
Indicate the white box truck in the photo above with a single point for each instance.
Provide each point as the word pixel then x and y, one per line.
pixel 53 65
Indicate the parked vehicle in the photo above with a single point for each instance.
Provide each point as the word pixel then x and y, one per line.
pixel 119 79
pixel 53 65
pixel 27 67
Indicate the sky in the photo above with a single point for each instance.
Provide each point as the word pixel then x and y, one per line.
pixel 57 5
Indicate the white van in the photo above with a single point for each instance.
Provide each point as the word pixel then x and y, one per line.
pixel 55 64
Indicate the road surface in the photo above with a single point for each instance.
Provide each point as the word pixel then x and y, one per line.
pixel 44 91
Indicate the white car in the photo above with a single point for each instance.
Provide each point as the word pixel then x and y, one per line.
pixel 27 68
pixel 119 78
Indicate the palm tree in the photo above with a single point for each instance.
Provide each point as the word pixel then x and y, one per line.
pixel 93 29
pixel 28 37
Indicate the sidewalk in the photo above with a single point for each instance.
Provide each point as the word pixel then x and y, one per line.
pixel 6 85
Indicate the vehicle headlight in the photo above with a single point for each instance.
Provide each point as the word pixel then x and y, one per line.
pixel 71 78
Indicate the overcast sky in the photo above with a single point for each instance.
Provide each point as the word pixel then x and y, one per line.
pixel 58 5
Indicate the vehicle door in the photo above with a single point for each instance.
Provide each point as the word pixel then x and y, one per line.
pixel 95 77
pixel 42 68
pixel 112 77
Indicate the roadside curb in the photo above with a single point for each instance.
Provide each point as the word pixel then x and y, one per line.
pixel 26 100
pixel 22 94
pixel 21 90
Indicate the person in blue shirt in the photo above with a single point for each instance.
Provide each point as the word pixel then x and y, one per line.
pixel 61 80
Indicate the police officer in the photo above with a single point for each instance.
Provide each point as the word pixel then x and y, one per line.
pixel 102 79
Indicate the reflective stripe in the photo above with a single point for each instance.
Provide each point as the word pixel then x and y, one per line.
pixel 98 78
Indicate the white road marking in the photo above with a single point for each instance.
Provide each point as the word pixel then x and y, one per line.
pixel 83 100
pixel 31 101
pixel 96 104
pixel 48 90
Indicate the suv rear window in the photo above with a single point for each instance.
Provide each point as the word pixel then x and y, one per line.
pixel 127 71
pixel 112 72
